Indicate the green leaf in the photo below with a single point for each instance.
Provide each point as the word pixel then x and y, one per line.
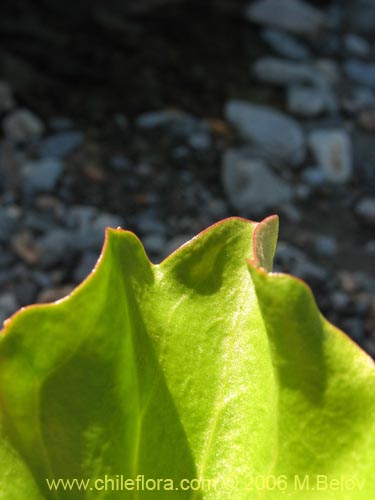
pixel 206 366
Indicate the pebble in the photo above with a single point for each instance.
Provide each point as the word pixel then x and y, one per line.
pixel 26 248
pixel 200 141
pixel 55 246
pixel 22 126
pixel 61 144
pixel 313 176
pixel 26 290
pixel 176 242
pixel 306 101
pixel 8 305
pixel 9 223
pixel 326 246
pixel 6 97
pixel 332 150
pixel 295 16
pixel 286 45
pixel 41 175
pixel 356 45
pixel 360 72
pixel 85 266
pixel 359 98
pixel 354 328
pixel 278 71
pixel 340 300
pixel 250 185
pixel 178 122
pixel 365 210
pixel 154 243
pixel 273 135
pixel 54 294
pixel 91 236
pixel 120 163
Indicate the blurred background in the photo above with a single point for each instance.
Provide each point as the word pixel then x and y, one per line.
pixel 165 116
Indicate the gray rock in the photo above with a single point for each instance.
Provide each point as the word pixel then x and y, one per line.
pixel 55 246
pixel 119 163
pixel 295 16
pixel 61 144
pixel 147 222
pixel 280 72
pixel 356 45
pixel 340 300
pixel 361 72
pixel 179 122
pixel 310 272
pixel 91 236
pixel 6 97
pixel 154 243
pixel 359 98
pixel 200 141
pixel 355 328
pixel 273 136
pixel 85 266
pixel 8 305
pixel 80 216
pixel 329 70
pixel 23 126
pixel 365 209
pixel 326 246
pixel 26 291
pixel 306 101
pixel 286 45
pixel 176 242
pixel 250 185
pixel 332 150
pixel 9 223
pixel 41 175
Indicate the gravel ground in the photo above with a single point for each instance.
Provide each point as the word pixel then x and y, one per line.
pixel 254 113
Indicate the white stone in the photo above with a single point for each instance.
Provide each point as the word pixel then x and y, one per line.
pixel 275 137
pixel 295 16
pixel 332 150
pixel 250 185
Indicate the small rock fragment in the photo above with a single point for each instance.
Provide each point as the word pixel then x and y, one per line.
pixel 295 16
pixel 250 185
pixel 273 136
pixel 23 125
pixel 61 144
pixel 361 72
pixel 41 175
pixel 332 149
pixel 365 210
pixel 306 101
pixel 286 45
pixel 356 45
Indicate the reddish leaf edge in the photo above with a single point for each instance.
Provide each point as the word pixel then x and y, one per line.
pixel 254 263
